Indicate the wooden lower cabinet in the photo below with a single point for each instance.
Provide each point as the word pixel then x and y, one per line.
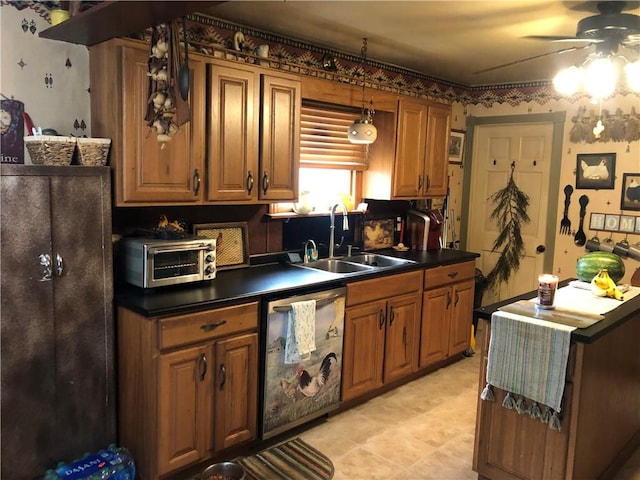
pixel 184 413
pixel 381 332
pixel 188 385
pixel 447 311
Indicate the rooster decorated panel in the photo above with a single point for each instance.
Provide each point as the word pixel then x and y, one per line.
pixel 302 376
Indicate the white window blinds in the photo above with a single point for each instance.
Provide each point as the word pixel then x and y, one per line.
pixel 323 138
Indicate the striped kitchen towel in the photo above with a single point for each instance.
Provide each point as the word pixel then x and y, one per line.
pixel 528 357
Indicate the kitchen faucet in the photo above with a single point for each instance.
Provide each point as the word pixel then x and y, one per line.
pixel 345 226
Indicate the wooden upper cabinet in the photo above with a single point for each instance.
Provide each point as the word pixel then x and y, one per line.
pixel 437 150
pixel 233 110
pixel 410 149
pixel 280 135
pixel 420 168
pixel 254 134
pixel 146 171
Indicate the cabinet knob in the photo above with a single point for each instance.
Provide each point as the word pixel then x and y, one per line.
pixel 249 182
pixel 59 265
pixel 203 366
pixel 45 262
pixel 381 319
pixel 265 182
pixel 196 182
pixel 223 375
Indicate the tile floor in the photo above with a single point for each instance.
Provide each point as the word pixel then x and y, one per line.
pixel 421 430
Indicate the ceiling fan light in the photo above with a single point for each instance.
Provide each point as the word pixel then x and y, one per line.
pixel 632 71
pixel 600 78
pixel 567 81
pixel 362 132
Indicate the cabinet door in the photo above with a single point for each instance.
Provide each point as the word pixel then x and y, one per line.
pixel 232 161
pixel 402 337
pixel 408 175
pixel 184 407
pixel 236 390
pixel 150 171
pixel 363 351
pixel 437 150
pixel 461 317
pixel 280 138
pixel 56 359
pixel 434 337
pixel 27 361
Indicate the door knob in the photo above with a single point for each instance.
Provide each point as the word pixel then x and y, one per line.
pixel 540 248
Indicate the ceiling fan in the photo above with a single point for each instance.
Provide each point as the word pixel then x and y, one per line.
pixel 608 31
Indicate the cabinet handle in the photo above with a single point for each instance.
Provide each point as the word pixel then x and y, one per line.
pixel 196 182
pixel 392 316
pixel 457 298
pixel 249 182
pixel 59 265
pixel 404 340
pixel 452 274
pixel 45 262
pixel 381 319
pixel 265 182
pixel 419 182
pixel 448 299
pixel 207 327
pixel 203 366
pixel 428 182
pixel 223 375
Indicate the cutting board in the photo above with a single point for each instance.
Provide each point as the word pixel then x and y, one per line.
pixel 564 316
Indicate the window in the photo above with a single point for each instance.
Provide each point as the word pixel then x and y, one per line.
pixel 329 163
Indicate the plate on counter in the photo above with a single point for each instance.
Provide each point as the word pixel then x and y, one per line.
pixel 400 249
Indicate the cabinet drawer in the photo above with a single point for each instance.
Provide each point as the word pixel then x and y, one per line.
pixel 201 326
pixel 435 277
pixel 378 288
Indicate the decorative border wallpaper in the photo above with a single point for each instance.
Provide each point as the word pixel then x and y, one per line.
pixel 215 36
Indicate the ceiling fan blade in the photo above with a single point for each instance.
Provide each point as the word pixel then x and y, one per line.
pixel 561 51
pixel 554 38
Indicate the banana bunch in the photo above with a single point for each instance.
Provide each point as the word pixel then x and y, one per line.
pixel 602 285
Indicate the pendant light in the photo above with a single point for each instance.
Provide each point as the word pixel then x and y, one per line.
pixel 363 131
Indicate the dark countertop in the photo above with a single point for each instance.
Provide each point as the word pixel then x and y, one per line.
pixel 271 280
pixel 625 312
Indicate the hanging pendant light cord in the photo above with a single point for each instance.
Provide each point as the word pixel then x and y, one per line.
pixel 363 54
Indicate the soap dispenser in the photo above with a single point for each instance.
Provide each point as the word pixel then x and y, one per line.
pixel 310 251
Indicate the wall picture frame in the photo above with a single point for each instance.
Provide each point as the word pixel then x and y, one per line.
pixel 595 171
pixel 232 243
pixel 630 197
pixel 456 147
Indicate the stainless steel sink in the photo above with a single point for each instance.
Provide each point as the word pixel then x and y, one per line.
pixel 335 265
pixel 377 260
pixel 356 263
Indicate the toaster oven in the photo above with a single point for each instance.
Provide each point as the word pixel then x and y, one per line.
pixel 150 262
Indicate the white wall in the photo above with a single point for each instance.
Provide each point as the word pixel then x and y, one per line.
pixel 600 201
pixel 28 63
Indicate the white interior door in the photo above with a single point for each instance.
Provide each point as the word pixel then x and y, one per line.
pixel 495 148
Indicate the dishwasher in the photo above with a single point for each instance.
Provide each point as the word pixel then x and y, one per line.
pixel 294 393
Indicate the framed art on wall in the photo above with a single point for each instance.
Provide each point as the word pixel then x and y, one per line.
pixel 596 171
pixel 456 147
pixel 630 198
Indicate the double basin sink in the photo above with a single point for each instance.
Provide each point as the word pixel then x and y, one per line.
pixel 364 262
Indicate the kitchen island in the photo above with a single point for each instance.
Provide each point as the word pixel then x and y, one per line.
pixel 601 408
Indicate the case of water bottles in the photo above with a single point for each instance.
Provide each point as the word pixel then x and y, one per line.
pixel 113 463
